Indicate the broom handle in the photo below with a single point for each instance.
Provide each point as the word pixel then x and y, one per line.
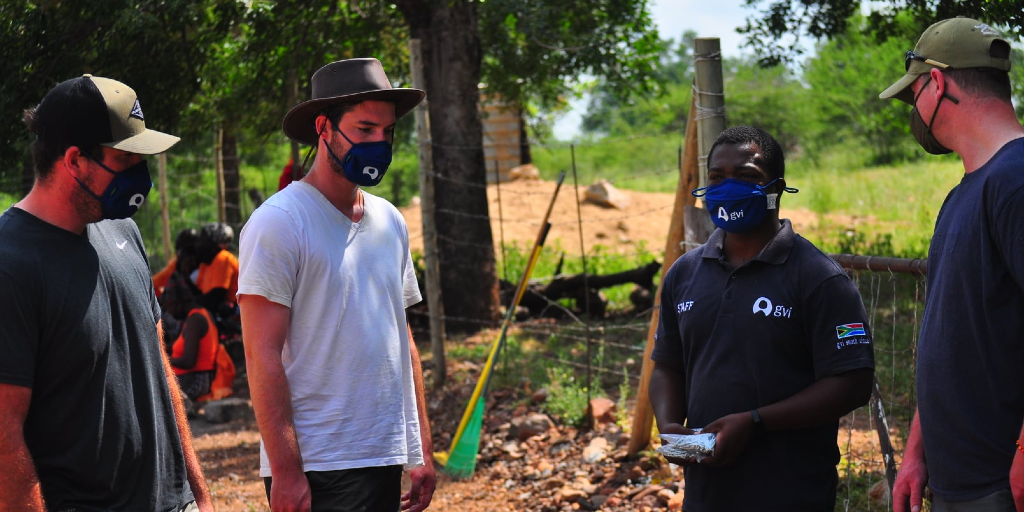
pixel 485 376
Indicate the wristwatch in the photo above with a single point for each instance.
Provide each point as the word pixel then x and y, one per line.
pixel 758 424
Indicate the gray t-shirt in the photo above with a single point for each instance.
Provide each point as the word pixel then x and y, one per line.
pixel 77 326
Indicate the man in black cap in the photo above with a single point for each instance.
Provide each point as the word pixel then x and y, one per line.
pixel 325 278
pixel 965 440
pixel 91 416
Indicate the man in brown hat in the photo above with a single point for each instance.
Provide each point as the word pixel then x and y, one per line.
pixel 325 277
pixel 965 440
pixel 91 416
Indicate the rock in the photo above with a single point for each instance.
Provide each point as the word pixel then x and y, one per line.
pixel 570 495
pixel 540 396
pixel 599 500
pixel 676 502
pixel 596 450
pixel 602 410
pixel 878 494
pixel 603 193
pixel 636 472
pixel 532 425
pixel 665 495
pixel 223 411
pixel 524 172
pixel 584 485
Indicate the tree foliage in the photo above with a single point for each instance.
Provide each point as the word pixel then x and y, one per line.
pixel 156 47
pixel 775 33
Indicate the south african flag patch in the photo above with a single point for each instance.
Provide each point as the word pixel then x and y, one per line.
pixel 850 330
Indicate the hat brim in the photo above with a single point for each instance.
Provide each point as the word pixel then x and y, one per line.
pixel 298 122
pixel 149 142
pixel 901 89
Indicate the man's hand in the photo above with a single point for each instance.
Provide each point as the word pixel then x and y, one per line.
pixel 910 482
pixel 676 428
pixel 289 492
pixel 1017 480
pixel 734 432
pixel 424 480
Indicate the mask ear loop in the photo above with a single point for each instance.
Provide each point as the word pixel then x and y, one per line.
pixel 312 147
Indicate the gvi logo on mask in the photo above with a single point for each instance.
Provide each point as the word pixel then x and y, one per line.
pixel 372 172
pixel 727 216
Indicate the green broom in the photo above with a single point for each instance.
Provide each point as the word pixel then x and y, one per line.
pixel 460 461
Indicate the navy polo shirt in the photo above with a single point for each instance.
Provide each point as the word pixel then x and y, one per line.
pixel 752 336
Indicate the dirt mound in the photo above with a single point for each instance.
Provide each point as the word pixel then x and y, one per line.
pixel 523 203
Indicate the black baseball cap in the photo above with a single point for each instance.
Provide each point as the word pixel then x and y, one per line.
pixel 96 111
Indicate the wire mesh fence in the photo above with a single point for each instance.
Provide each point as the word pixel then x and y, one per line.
pixel 603 355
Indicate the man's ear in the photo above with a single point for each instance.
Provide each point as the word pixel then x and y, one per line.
pixel 73 159
pixel 940 82
pixel 320 123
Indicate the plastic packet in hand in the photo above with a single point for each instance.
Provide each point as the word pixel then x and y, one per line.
pixel 695 446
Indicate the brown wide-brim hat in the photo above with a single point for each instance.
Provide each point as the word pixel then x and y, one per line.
pixel 346 81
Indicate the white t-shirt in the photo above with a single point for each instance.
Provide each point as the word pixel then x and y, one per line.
pixel 346 355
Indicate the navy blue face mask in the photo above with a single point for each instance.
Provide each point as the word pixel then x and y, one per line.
pixel 125 193
pixel 739 206
pixel 365 163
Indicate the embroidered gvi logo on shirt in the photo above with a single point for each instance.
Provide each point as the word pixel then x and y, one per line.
pixel 764 305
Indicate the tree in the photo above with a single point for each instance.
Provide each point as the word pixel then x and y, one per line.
pixel 844 79
pixel 153 46
pixel 823 19
pixel 523 52
pixel 664 110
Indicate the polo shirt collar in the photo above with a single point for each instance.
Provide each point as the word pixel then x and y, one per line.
pixel 774 253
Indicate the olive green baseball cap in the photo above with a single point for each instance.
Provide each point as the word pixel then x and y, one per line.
pixel 956 43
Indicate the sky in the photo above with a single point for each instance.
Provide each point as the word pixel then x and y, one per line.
pixel 718 18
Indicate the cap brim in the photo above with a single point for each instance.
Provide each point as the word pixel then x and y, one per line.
pixel 901 89
pixel 149 142
pixel 298 122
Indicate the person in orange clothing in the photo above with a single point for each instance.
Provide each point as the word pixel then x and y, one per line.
pixel 186 240
pixel 194 352
pixel 218 268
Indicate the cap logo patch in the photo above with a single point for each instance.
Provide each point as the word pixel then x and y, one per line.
pixel 137 111
pixel 986 30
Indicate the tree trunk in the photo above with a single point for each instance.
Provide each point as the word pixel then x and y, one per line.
pixel 232 191
pixel 452 56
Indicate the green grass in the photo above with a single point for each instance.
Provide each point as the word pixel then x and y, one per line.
pixel 899 202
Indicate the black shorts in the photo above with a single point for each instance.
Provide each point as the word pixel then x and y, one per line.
pixel 375 489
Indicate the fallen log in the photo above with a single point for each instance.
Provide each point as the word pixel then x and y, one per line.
pixel 539 298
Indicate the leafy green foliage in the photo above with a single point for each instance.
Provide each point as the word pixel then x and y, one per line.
pixel 532 48
pixel 567 399
pixel 843 106
pixel 775 33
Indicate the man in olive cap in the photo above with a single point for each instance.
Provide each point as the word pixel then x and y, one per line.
pixel 965 440
pixel 91 416
pixel 325 278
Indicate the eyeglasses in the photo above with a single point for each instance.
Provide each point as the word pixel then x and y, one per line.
pixel 910 55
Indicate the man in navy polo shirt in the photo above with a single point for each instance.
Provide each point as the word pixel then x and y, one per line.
pixel 965 439
pixel 763 340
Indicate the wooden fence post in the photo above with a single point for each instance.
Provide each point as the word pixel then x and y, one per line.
pixel 432 270
pixel 690 226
